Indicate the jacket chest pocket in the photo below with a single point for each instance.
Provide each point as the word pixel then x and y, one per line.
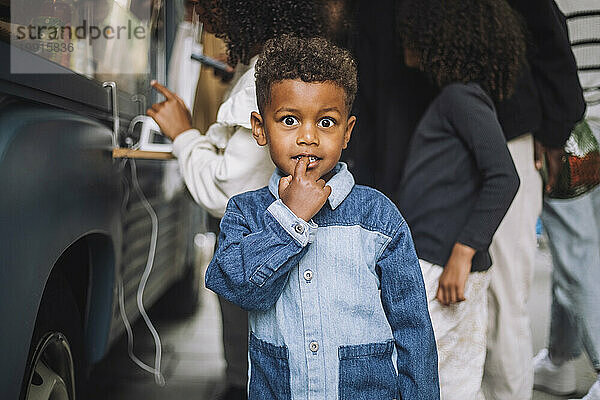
pixel 270 371
pixel 367 372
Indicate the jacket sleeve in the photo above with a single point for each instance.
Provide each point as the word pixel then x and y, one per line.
pixel 251 266
pixel 553 69
pixel 224 162
pixel 472 115
pixel 405 305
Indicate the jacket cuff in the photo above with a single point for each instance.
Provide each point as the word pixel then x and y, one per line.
pixel 300 230
pixel 183 140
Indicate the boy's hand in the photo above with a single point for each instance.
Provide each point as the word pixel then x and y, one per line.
pixel 171 115
pixel 303 192
pixel 452 281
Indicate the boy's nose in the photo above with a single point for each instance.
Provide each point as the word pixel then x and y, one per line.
pixel 307 135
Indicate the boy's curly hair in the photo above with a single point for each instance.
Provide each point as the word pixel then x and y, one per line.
pixel 308 59
pixel 246 25
pixel 480 41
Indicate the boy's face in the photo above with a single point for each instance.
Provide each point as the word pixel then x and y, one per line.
pixel 304 119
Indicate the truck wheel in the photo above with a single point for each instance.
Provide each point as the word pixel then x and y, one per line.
pixel 55 362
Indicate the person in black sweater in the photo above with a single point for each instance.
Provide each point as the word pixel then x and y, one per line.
pixel 546 105
pixel 459 179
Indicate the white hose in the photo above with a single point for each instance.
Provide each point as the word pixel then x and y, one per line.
pixel 158 376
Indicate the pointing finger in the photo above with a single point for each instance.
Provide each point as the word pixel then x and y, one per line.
pixel 301 167
pixel 163 90
pixel 180 100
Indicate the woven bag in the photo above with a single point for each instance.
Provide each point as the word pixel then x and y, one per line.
pixel 580 169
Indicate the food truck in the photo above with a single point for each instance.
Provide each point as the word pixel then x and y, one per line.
pixel 76 235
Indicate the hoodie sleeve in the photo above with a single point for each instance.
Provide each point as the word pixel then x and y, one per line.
pixel 227 160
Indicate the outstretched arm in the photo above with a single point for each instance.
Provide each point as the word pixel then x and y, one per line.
pixel 216 166
pixel 405 304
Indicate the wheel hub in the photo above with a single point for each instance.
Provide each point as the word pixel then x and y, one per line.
pixel 52 376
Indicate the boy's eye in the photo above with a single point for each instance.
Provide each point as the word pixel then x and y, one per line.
pixel 326 122
pixel 290 121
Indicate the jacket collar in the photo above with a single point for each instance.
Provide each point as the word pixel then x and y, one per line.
pixel 341 184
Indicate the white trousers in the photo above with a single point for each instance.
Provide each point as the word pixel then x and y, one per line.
pixel 460 331
pixel 508 373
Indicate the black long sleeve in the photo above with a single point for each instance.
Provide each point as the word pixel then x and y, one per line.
pixel 473 118
pixel 459 178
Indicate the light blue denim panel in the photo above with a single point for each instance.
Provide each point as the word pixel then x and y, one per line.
pixel 340 306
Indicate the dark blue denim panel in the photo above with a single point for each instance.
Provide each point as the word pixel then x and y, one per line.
pixel 367 372
pixel 269 372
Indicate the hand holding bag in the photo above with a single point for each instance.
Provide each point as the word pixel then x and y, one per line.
pixel 580 170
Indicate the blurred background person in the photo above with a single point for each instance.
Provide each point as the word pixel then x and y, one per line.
pixel 573 227
pixel 546 106
pixel 212 87
pixel 226 160
pixel 547 103
pixel 460 179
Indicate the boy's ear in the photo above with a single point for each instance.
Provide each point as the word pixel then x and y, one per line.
pixel 258 128
pixel 348 133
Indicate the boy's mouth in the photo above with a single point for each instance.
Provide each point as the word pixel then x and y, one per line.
pixel 312 160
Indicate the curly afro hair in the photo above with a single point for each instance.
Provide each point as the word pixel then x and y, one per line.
pixel 479 41
pixel 308 59
pixel 247 24
pixel 210 12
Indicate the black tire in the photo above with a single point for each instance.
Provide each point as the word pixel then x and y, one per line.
pixel 57 336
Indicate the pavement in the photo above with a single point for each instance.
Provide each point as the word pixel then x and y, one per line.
pixel 193 364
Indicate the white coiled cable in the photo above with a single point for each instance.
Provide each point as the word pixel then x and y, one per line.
pixel 158 376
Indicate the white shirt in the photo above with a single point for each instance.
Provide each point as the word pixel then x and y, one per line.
pixel 226 160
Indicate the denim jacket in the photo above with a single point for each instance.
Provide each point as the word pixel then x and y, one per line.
pixel 337 305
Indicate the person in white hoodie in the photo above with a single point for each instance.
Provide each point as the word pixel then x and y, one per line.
pixel 226 160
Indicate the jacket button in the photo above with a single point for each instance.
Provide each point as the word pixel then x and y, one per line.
pixel 299 228
pixel 314 346
pixel 308 275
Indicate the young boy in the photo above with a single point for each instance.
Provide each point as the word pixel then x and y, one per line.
pixel 326 268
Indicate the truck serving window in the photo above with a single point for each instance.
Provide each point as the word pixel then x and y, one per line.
pixel 106 40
